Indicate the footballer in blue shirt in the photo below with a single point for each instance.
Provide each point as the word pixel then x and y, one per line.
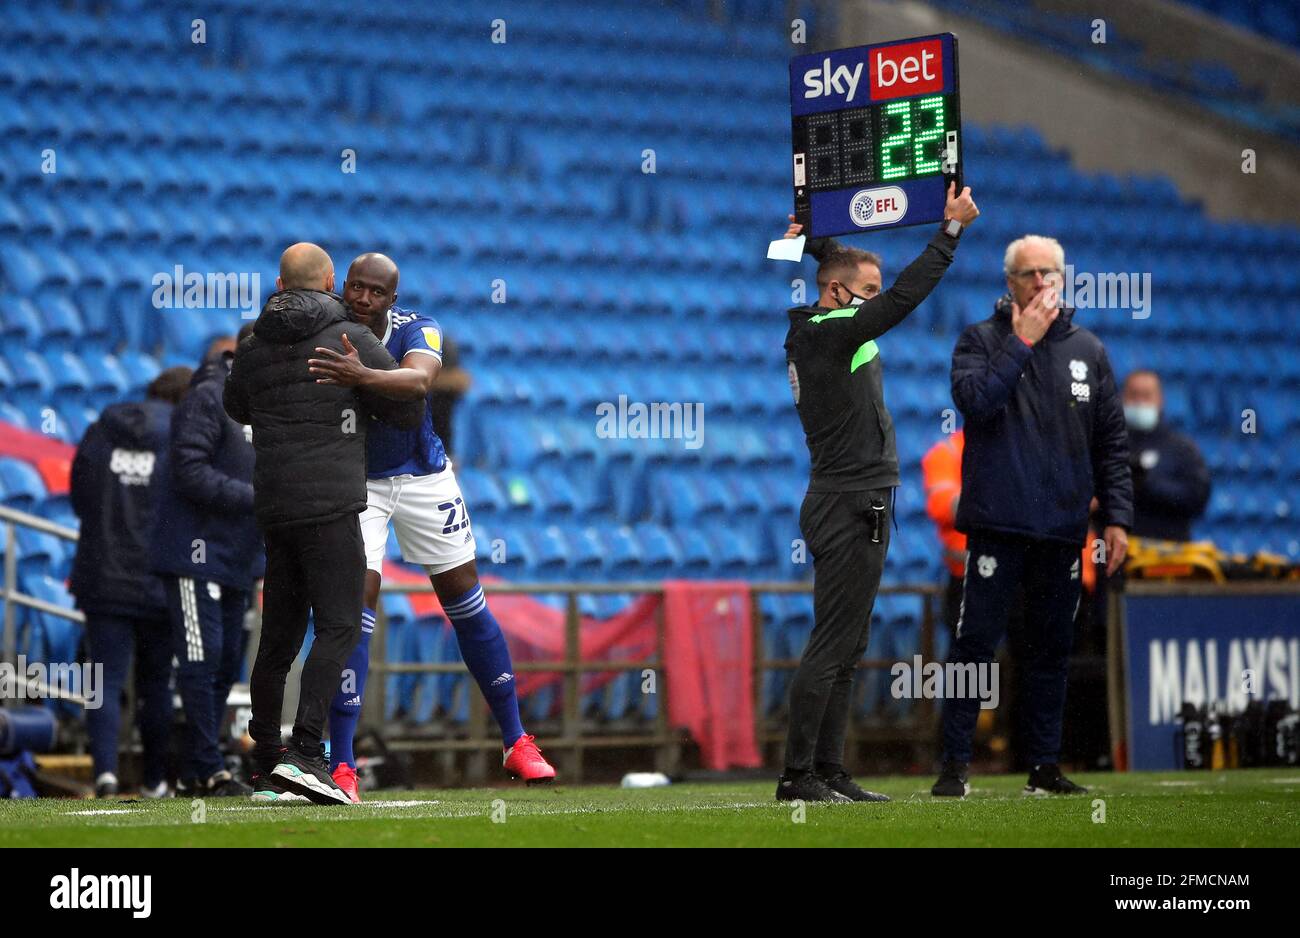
pixel 410 485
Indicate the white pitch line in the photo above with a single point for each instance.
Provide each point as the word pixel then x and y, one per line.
pixel 460 810
pixel 271 806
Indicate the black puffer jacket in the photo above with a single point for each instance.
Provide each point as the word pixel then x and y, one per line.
pixel 309 439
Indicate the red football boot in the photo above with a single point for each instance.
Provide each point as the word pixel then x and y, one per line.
pixel 524 760
pixel 346 778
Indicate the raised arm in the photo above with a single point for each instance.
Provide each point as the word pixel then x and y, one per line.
pixel 848 328
pixel 983 378
pixel 816 248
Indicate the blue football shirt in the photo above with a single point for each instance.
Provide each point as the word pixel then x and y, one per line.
pixel 394 452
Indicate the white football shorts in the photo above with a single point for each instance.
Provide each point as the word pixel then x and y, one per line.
pixel 428 515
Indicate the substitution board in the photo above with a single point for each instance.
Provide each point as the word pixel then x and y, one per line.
pixel 877 135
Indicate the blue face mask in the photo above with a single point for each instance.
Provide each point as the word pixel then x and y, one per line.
pixel 1141 416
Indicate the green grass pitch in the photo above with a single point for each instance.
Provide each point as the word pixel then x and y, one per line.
pixel 1242 808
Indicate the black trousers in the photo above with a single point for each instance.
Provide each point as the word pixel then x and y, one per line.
pixel 847 534
pixel 317 568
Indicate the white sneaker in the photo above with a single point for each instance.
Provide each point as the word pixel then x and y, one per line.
pixel 106 785
pixel 162 791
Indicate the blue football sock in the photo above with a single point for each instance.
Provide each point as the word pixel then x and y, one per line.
pixel 484 649
pixel 345 709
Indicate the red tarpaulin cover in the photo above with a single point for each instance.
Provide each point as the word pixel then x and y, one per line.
pixel 51 458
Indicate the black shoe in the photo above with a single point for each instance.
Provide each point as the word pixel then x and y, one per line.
pixel 224 785
pixel 843 783
pixel 188 788
pixel 952 781
pixel 806 787
pixel 1048 780
pixel 309 776
pixel 269 788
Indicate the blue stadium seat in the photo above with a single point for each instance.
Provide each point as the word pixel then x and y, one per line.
pixel 622 551
pixel 658 550
pixel 483 496
pixel 152 173
pixel 31 378
pixel 21 486
pixel 139 368
pixel 108 380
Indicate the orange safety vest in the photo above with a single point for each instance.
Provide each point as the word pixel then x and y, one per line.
pixel 941 471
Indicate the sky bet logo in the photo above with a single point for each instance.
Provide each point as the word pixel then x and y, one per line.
pixel 894 72
pixel 823 81
pixel 907 69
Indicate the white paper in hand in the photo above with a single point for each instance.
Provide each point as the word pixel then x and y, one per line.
pixel 786 249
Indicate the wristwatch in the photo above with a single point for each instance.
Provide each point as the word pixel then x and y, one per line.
pixel 952 228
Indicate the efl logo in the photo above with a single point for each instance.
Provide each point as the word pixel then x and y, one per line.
pixel 882 206
pixel 908 69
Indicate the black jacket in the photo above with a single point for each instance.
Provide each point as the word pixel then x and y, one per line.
pixel 205 527
pixel 309 438
pixel 835 374
pixel 115 481
pixel 1044 431
pixel 1171 484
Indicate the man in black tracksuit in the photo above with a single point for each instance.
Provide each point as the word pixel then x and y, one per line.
pixel 309 487
pixel 116 477
pixel 207 549
pixel 1044 434
pixel 835 375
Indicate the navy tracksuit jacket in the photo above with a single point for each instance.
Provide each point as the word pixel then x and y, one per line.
pixel 1044 433
pixel 116 479
pixel 208 550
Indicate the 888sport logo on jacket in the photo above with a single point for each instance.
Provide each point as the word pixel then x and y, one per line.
pixel 1079 386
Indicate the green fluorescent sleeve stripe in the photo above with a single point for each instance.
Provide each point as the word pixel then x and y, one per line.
pixel 846 313
pixel 864 354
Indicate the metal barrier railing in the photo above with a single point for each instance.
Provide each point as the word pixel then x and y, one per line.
pixel 478 739
pixel 13 598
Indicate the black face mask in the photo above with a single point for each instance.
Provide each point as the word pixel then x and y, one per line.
pixel 854 296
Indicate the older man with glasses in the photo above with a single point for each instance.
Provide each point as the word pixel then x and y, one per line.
pixel 1044 432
